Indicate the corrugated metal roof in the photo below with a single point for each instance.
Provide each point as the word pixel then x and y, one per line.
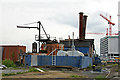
pixel 77 42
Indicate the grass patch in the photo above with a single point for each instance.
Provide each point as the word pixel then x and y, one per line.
pixel 100 76
pixel 113 64
pixel 103 65
pixel 8 74
pixel 116 70
pixel 102 79
pixel 20 72
pixel 43 69
pixel 33 70
pixel 77 76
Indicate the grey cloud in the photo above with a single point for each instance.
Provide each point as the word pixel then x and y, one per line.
pixel 96 22
pixel 66 18
pixel 96 27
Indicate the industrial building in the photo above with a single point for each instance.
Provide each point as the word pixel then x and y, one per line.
pixel 12 52
pixel 85 46
pixel 109 47
pixel 77 52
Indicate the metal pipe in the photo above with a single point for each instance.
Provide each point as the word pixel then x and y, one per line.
pixel 26 27
pixel 39 23
pixel 44 31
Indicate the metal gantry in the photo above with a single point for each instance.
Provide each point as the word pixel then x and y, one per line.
pixel 39 36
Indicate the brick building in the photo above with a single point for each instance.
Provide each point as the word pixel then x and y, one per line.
pixel 12 52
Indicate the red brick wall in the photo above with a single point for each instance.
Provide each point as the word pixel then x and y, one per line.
pixel 12 52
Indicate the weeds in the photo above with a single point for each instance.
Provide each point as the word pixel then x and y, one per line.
pixel 33 70
pixel 113 64
pixel 100 77
pixel 77 76
pixel 8 74
pixel 89 67
pixel 20 72
pixel 42 69
pixel 116 70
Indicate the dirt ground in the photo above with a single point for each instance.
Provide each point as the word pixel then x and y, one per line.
pixel 66 74
pixel 57 74
pixel 48 74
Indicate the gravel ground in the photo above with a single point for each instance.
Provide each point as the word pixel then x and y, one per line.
pixel 14 71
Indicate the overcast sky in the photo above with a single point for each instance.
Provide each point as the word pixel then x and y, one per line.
pixel 59 18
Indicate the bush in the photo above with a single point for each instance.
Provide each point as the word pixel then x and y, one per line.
pixel 8 63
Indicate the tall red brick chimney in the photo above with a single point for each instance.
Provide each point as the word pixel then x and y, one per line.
pixel 81 25
pixel 84 25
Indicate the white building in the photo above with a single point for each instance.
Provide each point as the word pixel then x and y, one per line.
pixel 109 47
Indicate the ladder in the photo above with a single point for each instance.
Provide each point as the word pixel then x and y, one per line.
pixel 54 60
pixel 53 57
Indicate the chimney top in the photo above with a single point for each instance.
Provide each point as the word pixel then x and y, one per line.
pixel 81 13
pixel 85 15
